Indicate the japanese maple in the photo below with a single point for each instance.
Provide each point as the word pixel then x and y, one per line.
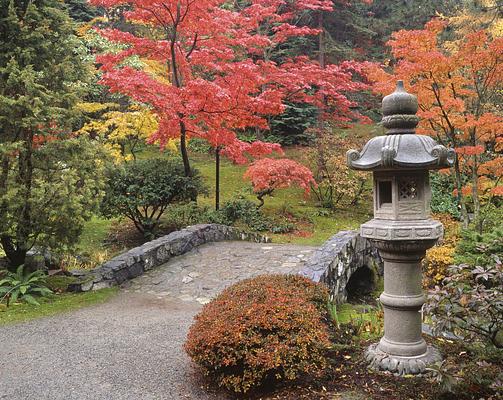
pixel 269 174
pixel 458 85
pixel 222 78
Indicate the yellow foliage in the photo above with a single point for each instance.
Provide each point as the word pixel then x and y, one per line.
pixel 472 20
pixel 91 108
pixel 441 256
pixel 158 70
pixel 435 264
pixel 121 131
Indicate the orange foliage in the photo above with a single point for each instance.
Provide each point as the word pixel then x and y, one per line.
pixel 271 326
pixel 457 90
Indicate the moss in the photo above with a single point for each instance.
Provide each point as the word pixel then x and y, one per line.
pixel 59 283
pixel 55 304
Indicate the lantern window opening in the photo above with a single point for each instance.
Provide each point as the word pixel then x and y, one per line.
pixel 384 193
pixel 408 189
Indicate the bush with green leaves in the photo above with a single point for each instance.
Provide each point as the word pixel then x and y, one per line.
pixel 469 303
pixel 479 249
pixel 23 286
pixel 142 191
pixel 442 199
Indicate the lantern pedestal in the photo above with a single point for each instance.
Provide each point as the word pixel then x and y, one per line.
pixel 402 350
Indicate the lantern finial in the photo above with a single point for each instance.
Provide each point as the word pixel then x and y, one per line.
pixel 399 111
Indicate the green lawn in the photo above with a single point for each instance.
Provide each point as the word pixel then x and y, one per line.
pixel 322 223
pixel 94 234
pixel 55 304
pixel 325 223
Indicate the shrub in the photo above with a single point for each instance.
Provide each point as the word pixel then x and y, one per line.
pixel 268 327
pixel 141 191
pixel 480 249
pixel 18 285
pixel 442 198
pixel 246 212
pixel 439 258
pixel 470 303
pixel 268 175
pixel 436 264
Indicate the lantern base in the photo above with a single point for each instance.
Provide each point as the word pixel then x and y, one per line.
pixel 400 366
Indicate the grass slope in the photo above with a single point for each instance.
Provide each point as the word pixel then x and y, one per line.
pixel 55 304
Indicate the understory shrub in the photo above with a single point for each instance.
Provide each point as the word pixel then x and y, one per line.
pixel 239 211
pixel 272 327
pixel 142 190
pixel 470 303
pixel 440 257
pixel 480 249
pixel 442 198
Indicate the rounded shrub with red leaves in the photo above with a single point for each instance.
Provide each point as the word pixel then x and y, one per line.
pixel 268 328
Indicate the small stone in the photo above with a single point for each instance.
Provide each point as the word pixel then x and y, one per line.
pixel 186 297
pixel 203 300
pixel 164 294
pixel 267 248
pixel 187 279
pixel 289 265
pixel 157 281
pixel 206 288
pixel 194 274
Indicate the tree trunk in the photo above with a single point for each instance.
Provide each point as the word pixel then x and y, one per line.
pixel 460 197
pixel 475 195
pixel 16 256
pixel 183 149
pixel 217 178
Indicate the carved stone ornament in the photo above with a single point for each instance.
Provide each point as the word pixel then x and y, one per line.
pixel 401 230
pixel 401 148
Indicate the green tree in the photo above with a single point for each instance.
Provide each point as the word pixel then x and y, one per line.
pixel 81 10
pixel 142 191
pixel 49 181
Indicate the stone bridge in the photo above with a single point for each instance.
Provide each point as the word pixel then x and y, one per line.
pixel 347 263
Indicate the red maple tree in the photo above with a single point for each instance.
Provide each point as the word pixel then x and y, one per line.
pixel 269 174
pixel 222 77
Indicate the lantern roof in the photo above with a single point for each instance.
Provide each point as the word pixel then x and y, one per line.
pixel 401 148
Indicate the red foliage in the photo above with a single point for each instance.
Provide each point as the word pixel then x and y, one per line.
pixel 269 174
pixel 221 77
pixel 268 327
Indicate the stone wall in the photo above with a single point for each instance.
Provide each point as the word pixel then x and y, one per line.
pixel 136 261
pixel 335 262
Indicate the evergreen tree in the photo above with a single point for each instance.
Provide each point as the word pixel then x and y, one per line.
pixel 49 181
pixel 81 10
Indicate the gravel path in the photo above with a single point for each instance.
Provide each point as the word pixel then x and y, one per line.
pixel 131 347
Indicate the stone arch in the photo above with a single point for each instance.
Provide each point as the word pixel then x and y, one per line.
pixel 361 283
pixel 345 259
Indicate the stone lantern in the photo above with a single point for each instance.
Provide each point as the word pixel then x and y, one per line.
pixel 402 229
